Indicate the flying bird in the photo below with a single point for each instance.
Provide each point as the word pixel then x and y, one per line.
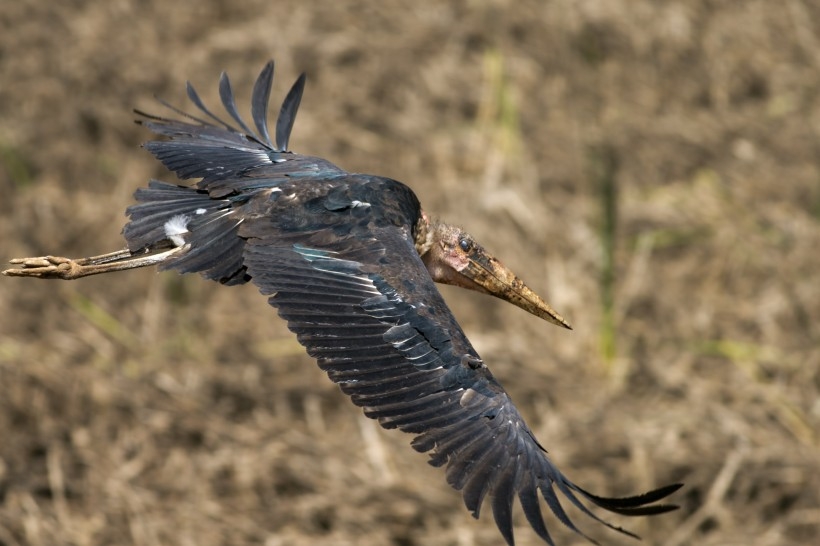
pixel 350 261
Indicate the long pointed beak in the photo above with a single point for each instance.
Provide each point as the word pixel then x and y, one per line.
pixel 497 280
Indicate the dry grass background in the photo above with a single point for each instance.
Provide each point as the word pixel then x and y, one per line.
pixel 154 409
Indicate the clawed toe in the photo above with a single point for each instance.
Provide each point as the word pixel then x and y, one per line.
pixel 43 266
pixel 42 261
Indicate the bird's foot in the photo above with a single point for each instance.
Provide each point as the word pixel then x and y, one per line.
pixel 55 267
pixel 45 267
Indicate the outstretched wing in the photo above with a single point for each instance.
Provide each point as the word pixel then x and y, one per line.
pixel 233 162
pixel 230 159
pixel 363 305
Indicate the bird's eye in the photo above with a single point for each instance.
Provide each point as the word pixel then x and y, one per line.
pixel 465 245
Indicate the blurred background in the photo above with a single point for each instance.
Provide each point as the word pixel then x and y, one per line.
pixel 650 167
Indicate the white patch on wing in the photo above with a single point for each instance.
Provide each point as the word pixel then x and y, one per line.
pixel 200 211
pixel 269 193
pixel 357 203
pixel 368 284
pixel 404 330
pixel 311 254
pixel 261 154
pixel 422 356
pixel 467 397
pixel 175 228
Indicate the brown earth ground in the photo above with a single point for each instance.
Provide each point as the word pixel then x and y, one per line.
pixel 151 409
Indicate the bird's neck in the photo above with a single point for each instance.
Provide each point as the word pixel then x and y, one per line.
pixel 423 234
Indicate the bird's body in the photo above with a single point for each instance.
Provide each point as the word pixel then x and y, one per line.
pixel 349 261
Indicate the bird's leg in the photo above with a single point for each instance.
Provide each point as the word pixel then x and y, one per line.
pixel 55 267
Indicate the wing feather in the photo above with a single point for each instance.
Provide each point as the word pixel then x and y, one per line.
pixel 480 477
pixel 259 102
pixel 193 96
pixel 502 497
pixel 228 101
pixel 528 497
pixel 287 115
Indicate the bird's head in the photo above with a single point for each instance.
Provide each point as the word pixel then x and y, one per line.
pixel 453 257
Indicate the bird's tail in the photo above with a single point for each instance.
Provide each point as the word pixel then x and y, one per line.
pixel 203 228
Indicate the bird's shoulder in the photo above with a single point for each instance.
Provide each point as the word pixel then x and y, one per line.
pixel 349 205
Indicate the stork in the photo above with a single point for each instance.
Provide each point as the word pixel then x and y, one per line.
pixel 350 261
